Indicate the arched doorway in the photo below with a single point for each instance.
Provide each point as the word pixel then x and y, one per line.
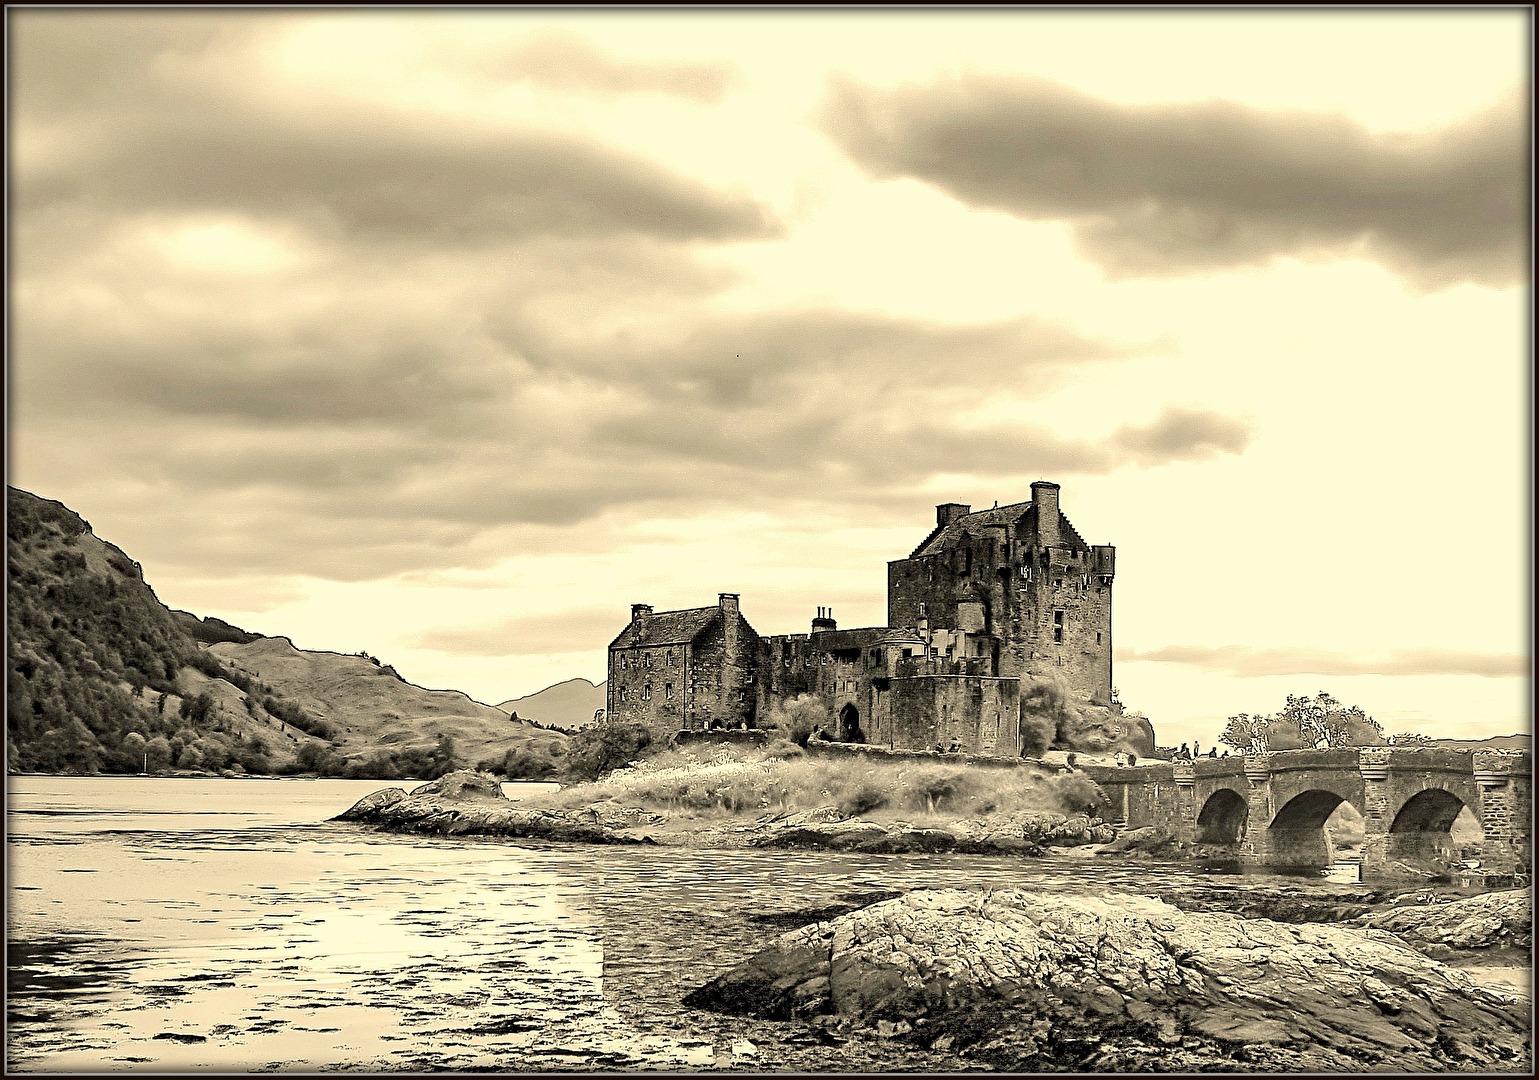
pixel 849 725
pixel 1223 817
pixel 1297 835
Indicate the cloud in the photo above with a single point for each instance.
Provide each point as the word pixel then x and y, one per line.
pixel 1160 190
pixel 334 338
pixel 1181 433
pixel 187 128
pixel 562 61
pixel 1238 660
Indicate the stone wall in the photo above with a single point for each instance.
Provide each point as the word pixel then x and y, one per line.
pixel 980 714
pixel 646 686
pixel 723 674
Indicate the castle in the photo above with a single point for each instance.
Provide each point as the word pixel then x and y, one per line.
pixel 986 600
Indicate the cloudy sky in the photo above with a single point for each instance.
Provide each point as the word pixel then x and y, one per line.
pixel 447 336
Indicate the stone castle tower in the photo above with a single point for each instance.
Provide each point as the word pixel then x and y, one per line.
pixel 985 600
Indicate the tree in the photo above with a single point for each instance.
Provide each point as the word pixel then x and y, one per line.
pixel 1319 722
pixel 1246 733
pixel 799 717
pixel 1325 722
pixel 602 747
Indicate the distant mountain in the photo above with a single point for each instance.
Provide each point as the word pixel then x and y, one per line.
pixel 103 677
pixel 569 704
pixel 1495 742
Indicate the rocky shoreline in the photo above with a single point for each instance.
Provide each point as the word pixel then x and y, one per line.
pixel 1024 981
pixel 471 804
pixel 1243 973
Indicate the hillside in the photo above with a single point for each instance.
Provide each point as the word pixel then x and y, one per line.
pixel 103 677
pixel 569 704
pixel 1495 742
pixel 373 713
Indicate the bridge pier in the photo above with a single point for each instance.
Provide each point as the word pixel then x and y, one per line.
pixel 1506 808
pixel 1256 848
pixel 1185 777
pixel 1378 847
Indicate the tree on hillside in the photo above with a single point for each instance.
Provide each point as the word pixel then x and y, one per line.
pixel 605 746
pixel 1320 722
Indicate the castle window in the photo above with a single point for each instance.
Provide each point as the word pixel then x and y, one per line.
pixel 1098 637
pixel 667 691
pixel 1058 627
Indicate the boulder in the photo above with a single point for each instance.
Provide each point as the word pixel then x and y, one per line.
pixel 1031 981
pixel 1498 920
pixel 459 805
pixel 463 784
pixel 368 806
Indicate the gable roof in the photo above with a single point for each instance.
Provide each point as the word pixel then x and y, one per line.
pixel 666 628
pixel 944 538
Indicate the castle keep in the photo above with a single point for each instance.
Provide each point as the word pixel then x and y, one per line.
pixel 986 600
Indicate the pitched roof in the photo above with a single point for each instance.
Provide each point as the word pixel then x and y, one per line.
pixel 666 628
pixel 946 536
pixel 943 538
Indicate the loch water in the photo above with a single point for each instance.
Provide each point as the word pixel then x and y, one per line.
pixel 226 925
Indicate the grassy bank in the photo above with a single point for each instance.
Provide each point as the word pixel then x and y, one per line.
pixel 740 783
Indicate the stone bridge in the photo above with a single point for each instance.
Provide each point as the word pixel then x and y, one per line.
pixel 1272 807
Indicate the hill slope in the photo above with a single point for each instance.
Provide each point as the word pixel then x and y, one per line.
pixel 569 704
pixel 103 677
pixel 372 712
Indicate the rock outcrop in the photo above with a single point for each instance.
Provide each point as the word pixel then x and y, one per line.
pixel 467 803
pixel 1025 833
pixel 1498 920
pixel 1039 982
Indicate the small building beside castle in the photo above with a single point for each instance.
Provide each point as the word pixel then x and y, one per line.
pixel 986 600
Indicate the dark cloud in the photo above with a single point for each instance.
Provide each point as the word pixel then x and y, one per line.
pixel 424 345
pixel 569 62
pixel 146 114
pixel 528 634
pixel 1238 660
pixel 1184 434
pixel 1156 190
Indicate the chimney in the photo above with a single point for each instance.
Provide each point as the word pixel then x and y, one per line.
pixel 727 602
pixel 640 610
pixel 1044 496
pixel 824 620
pixel 946 513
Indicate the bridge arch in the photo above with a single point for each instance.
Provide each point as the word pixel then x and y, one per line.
pixel 1223 818
pixel 1297 836
pixel 1422 829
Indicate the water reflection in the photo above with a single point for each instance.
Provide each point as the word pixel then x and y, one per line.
pixel 177 925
